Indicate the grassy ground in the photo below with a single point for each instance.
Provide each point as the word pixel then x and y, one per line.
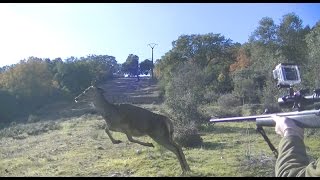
pixel 78 146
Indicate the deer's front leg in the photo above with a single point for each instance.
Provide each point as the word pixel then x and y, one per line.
pixel 139 142
pixel 111 138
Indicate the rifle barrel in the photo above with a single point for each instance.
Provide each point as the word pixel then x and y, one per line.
pixel 265 116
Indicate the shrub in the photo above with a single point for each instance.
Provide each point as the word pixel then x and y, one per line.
pixel 228 100
pixel 29 129
pixel 252 109
pixel 184 94
pixel 187 135
pixel 210 96
pixel 227 105
pixel 219 111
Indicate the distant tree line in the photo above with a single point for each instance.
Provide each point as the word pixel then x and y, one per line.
pixel 31 83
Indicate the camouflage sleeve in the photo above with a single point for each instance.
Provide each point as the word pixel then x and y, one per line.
pixel 293 159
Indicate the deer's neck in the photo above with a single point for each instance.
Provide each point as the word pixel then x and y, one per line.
pixel 104 107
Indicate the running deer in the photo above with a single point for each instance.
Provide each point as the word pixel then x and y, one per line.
pixel 134 121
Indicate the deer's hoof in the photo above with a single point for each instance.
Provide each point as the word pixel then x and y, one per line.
pixel 185 173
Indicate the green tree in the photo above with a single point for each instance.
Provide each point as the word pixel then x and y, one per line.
pixel 28 78
pixel 291 36
pixel 131 66
pixel 213 53
pixel 145 66
pixel 265 33
pixel 313 43
pixel 76 74
pixel 103 66
pixel 31 83
pixel 263 46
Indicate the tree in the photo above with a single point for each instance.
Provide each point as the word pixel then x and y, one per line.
pixel 103 66
pixel 242 59
pixel 76 74
pixel 291 37
pixel 31 83
pixel 202 49
pixel 263 46
pixel 146 66
pixel 266 33
pixel 131 66
pixel 213 53
pixel 28 78
pixel 313 43
pixel 28 85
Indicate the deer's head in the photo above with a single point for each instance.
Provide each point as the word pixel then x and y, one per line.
pixel 88 94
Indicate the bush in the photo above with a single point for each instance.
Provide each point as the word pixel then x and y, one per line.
pixel 221 112
pixel 184 94
pixel 16 131
pixel 252 109
pixel 187 135
pixel 228 100
pixel 228 105
pixel 210 96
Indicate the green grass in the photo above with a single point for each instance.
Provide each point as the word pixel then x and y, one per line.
pixel 82 148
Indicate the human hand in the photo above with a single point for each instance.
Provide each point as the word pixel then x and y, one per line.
pixel 286 127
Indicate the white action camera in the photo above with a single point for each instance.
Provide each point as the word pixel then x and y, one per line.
pixel 286 74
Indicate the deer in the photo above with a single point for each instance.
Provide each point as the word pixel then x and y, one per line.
pixel 134 121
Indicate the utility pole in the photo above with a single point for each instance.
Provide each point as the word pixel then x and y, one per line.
pixel 152 45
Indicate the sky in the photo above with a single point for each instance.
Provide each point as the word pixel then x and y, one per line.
pixel 52 30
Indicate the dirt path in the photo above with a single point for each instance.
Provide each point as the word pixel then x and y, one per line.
pixel 128 90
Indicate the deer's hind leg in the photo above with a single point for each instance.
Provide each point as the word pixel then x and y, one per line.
pixel 139 142
pixel 168 143
pixel 114 141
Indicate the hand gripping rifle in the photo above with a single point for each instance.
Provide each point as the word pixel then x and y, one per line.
pixel 287 75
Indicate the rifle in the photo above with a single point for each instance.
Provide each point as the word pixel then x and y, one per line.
pixel 304 119
pixel 287 75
